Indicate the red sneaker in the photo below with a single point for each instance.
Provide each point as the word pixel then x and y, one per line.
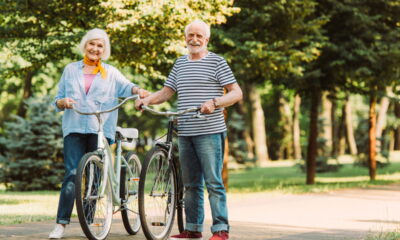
pixel 187 235
pixel 221 235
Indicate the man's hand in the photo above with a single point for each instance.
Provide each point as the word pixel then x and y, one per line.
pixel 207 107
pixel 65 103
pixel 139 103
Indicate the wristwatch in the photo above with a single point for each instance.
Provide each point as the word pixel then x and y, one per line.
pixel 216 105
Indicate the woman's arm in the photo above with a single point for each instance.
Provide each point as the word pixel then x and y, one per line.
pixel 156 98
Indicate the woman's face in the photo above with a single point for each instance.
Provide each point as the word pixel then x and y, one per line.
pixel 94 49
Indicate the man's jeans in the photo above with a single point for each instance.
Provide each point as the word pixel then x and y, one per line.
pixel 75 146
pixel 201 157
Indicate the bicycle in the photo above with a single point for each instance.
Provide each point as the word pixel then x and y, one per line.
pixel 160 188
pixel 100 187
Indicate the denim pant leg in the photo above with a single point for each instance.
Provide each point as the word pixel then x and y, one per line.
pixel 75 146
pixel 210 151
pixel 192 178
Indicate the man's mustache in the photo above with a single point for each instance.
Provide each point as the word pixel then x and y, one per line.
pixel 194 43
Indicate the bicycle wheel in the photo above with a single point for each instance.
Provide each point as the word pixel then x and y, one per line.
pixel 129 191
pixel 180 211
pixel 157 195
pixel 95 209
pixel 180 203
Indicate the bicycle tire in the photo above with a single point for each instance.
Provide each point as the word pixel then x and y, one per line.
pixel 129 192
pixel 94 211
pixel 180 204
pixel 157 195
pixel 180 211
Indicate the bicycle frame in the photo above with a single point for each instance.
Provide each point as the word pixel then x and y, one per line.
pixel 112 174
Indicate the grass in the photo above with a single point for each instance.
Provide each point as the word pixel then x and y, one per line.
pixel 384 236
pixel 23 207
pixel 292 180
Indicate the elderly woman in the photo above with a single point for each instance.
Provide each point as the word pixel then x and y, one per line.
pixel 87 83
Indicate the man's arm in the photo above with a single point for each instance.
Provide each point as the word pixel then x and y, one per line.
pixel 155 98
pixel 234 95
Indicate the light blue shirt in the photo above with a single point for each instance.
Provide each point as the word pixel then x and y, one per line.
pixel 103 94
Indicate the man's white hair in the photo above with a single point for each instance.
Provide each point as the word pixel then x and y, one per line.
pixel 202 23
pixel 97 33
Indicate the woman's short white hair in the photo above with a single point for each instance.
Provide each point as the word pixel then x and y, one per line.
pixel 202 23
pixel 97 33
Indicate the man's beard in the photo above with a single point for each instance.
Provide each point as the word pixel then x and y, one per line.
pixel 194 50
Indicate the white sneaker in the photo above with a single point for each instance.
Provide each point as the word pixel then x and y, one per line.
pixel 58 232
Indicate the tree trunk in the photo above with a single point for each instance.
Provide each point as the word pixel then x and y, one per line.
pixel 397 131
pixel 259 133
pixel 335 129
pixel 326 127
pixel 225 174
pixel 312 138
pixel 27 93
pixel 341 132
pixel 372 138
pixel 381 121
pixel 247 132
pixel 296 127
pixel 286 148
pixel 349 129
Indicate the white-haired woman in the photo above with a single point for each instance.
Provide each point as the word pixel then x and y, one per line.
pixel 89 83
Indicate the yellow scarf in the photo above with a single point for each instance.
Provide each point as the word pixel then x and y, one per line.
pixel 98 68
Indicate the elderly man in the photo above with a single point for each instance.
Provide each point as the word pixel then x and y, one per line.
pixel 199 78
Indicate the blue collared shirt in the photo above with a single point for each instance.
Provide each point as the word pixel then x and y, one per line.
pixel 103 94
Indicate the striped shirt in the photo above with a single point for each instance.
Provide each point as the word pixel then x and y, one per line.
pixel 195 82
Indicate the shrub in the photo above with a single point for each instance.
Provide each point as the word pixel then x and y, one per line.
pixel 32 157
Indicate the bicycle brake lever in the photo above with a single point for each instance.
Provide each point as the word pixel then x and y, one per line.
pixel 198 115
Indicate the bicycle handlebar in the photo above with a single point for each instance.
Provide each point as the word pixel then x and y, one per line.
pixel 108 110
pixel 168 113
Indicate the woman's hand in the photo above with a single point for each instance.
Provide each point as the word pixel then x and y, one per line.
pixel 143 93
pixel 65 103
pixel 140 91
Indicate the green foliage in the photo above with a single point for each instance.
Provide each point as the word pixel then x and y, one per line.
pixel 363 50
pixel 149 35
pixel 270 40
pixel 32 157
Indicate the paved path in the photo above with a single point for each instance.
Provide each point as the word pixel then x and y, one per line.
pixel 340 215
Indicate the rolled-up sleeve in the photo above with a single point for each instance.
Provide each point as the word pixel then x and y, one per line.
pixel 124 86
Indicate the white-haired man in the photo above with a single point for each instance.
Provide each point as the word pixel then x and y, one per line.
pixel 199 79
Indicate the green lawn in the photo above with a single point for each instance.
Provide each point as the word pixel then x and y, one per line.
pixel 292 180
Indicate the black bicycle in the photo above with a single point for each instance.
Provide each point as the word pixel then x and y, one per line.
pixel 161 190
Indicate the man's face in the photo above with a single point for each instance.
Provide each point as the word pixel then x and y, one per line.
pixel 196 40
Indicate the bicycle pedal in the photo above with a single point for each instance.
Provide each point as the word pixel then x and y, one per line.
pixel 158 224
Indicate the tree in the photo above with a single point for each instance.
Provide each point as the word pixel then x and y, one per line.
pixel 363 52
pixel 35 33
pixel 149 35
pixel 276 38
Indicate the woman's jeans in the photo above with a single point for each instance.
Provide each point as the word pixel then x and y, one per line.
pixel 75 146
pixel 201 157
